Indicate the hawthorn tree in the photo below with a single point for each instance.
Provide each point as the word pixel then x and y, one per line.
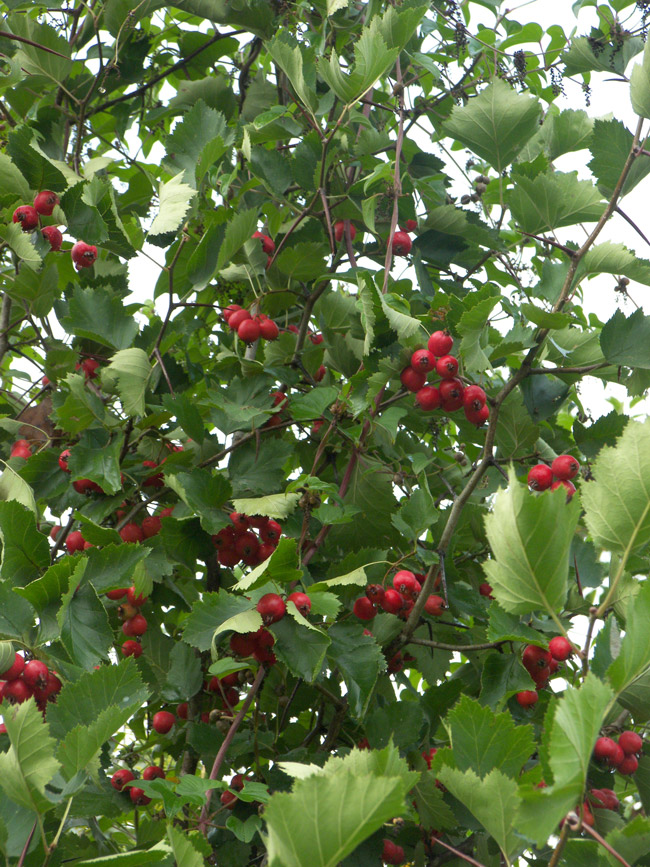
pixel 294 569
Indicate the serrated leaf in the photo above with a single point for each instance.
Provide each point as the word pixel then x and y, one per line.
pixel 516 432
pixel 175 197
pixel 29 764
pixel 276 506
pixel 610 146
pixel 77 408
pixel 210 612
pixel 289 58
pixel 97 313
pixel 626 340
pixel 239 230
pixel 507 627
pixel 640 85
pixel 302 649
pixel 357 576
pixel 85 631
pixel 281 566
pixel 204 492
pixel 495 124
pixel 360 661
pixel 553 200
pixel 25 551
pixel 129 372
pixel 184 852
pixel 634 655
pixel 13 487
pixel 616 503
pixel 502 676
pixel 113 566
pixel 613 258
pixel 83 742
pixel 20 242
pixel 545 318
pixel 530 539
pixel 198 141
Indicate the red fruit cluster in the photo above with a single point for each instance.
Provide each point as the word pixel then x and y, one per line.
pixel 449 394
pixel 250 328
pixel 401 241
pixel 392 853
pixel 75 542
pixel 239 543
pixel 81 486
pixel 622 755
pixel 120 779
pixel 134 624
pixel 604 798
pixel 562 470
pixel 226 688
pixel 229 798
pixel 256 644
pixel 21 449
pixel 541 665
pixel 398 599
pixel 89 367
pixel 22 680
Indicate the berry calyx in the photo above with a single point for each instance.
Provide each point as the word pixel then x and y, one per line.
pixel 45 201
pixel 27 216
pixel 630 742
pixel 565 467
pixel 423 361
pixel 272 608
pixel 560 648
pixel 440 343
pixel 16 691
pixel 63 460
pixel 271 532
pixel 401 244
pixel 83 255
pixel 412 380
pixel 540 477
pixel 447 367
pixel 163 721
pixel 527 697
pixel 301 601
pixel 375 592
pixel 404 582
pixel 477 416
pixel 121 778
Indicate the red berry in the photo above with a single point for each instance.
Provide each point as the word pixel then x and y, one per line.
pixel 131 533
pixel 228 557
pixel 268 329
pixel 560 648
pixel 120 778
pixel 267 244
pixel 606 797
pixel 535 658
pixel 540 477
pixel 54 237
pixel 392 601
pixel 74 542
pixel 163 721
pixel 271 532
pixel 152 772
pixel 228 799
pixel 134 626
pixel 265 550
pixel 412 380
pixel 339 229
pixel 117 594
pixel 247 544
pixel 138 796
pixel 45 201
pixel 364 609
pixel 605 750
pixel 428 398
pixel 151 526
pixel 375 592
pixel 435 605
pixel 272 608
pixel 136 601
pixel 316 339
pixel 569 486
pixel 404 582
pixel 423 361
pixel 401 244
pixel 301 601
pixel 131 648
pixel 440 343
pixel 83 255
pixel 54 532
pixel 248 331
pixel 477 416
pixel 27 217
pixel 21 452
pixel 63 460
pixel 182 710
pixel 225 538
pixel 16 691
pixel 451 394
pixel 229 310
pixel 527 698
pixel 15 669
pixel 320 373
pixel 447 367
pixel 236 318
pixel 565 467
pixel 89 367
pixel 392 853
pixel 629 742
pixel 485 589
pixel 628 765
pixel 474 398
pixel 35 674
pixel 409 226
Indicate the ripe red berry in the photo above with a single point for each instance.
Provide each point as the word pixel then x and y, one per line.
pixel 628 765
pixel 15 691
pixel 451 394
pixel 565 467
pixel 435 605
pixel 63 460
pixel 229 310
pixel 412 380
pixel 151 526
pixel 477 416
pixel 272 608
pixel 560 648
pixel 527 697
pixel 404 582
pixel 120 778
pixel 375 592
pixel 138 796
pixel 320 373
pixel 83 255
pixel 268 329
pixel 27 216
pixel 316 338
pixel 236 318
pixel 447 367
pixel 535 658
pixel 392 853
pixel 134 626
pixel 248 331
pixel 117 594
pixel 605 750
pixel 629 742
pixel 136 601
pixel 35 674
pixel 301 601
pixel 74 542
pixel 428 398
pixel 53 236
pixel 228 557
pixel 605 798
pixel 339 229
pixel 568 486
pixel 163 721
pixel 409 226
pixel 267 244
pixel 45 201
pixel 440 343
pixel 474 398
pixel 540 477
pixel 247 544
pixel 153 772
pixel 228 799
pixel 485 589
pixel 401 244
pixel 271 532
pixel 392 601
pixel 89 367
pixel 265 550
pixel 131 533
pixel 15 669
pixel 131 648
pixel 423 361
pixel 21 452
pixel 364 609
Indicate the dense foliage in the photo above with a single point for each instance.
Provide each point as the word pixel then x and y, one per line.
pixel 291 308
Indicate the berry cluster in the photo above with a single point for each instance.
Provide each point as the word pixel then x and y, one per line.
pixel 83 255
pixel 450 393
pixel 22 680
pixel 256 644
pixel 621 756
pixel 250 328
pixel 541 665
pixel 401 240
pixel 134 624
pixel 398 599
pixel 239 543
pixel 121 778
pixel 564 468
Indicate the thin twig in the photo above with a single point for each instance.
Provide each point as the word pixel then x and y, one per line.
pixel 458 852
pixel 462 648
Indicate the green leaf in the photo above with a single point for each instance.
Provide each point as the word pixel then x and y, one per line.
pixel 640 85
pixel 634 656
pixel 13 487
pixel 208 613
pixel 372 58
pixel 20 242
pixel 198 141
pixel 175 198
pixel 483 741
pixel 400 723
pixel 561 133
pixel 16 615
pixel 289 57
pixel 301 649
pixel 495 124
pixel 516 433
pixel 184 676
pixel 544 318
pixel 37 169
pixel 281 567
pixel 612 258
pixel 184 852
pixel 35 289
pixel 309 826
pixel 204 492
pixel 82 743
pixel 627 340
pixel 553 200
pixel 507 627
pixel 610 147
pixel 357 576
pixel 25 551
pixel 29 764
pixel 631 841
pixel 129 373
pixel 360 661
pixel 530 537
pixel 113 566
pixel 97 313
pixel 276 506
pixel 96 458
pixel 78 408
pixel 616 503
pixel 434 813
pixel 239 230
pixel 85 631
pixel 493 800
pixel 502 676
pixel 313 404
pixel 12 179
pixel 187 415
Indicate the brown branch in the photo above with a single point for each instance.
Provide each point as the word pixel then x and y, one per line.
pixel 31 42
pixel 397 179
pixel 458 852
pixel 461 648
